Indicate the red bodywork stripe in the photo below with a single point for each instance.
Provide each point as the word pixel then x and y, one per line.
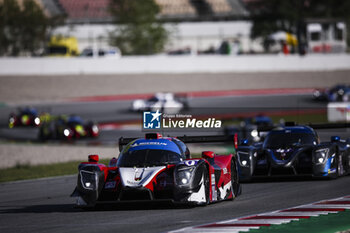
pixel 150 185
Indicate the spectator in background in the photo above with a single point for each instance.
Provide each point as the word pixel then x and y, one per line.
pixel 285 49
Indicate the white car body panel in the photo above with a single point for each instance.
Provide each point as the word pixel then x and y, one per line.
pixel 138 177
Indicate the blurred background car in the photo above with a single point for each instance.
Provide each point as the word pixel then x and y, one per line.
pixel 337 93
pixel 25 117
pixel 251 129
pixel 165 102
pixel 101 52
pixel 67 127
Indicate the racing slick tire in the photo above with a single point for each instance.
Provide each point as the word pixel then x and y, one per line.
pixel 339 165
pixel 236 190
pixel 206 185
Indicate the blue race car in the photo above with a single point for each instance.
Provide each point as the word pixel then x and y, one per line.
pixel 25 117
pixel 248 128
pixel 337 93
pixel 67 128
pixel 294 150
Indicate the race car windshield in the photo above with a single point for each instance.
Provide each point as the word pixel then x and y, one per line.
pixel 148 158
pixel 153 99
pixel 283 140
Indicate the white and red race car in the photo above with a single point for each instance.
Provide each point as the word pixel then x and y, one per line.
pixel 159 168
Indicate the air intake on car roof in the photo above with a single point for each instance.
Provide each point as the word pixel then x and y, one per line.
pixel 290 123
pixel 153 136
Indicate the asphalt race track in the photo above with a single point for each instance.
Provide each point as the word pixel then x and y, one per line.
pixel 45 206
pixel 112 111
pixel 118 111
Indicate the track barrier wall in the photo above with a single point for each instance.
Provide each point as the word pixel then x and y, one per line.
pixel 173 64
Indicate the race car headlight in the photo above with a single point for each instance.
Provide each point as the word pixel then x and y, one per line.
pixel 317 93
pixel 95 129
pixel 254 133
pixel 243 158
pixel 138 104
pixel 66 132
pixel 88 180
pixel 12 120
pixel 37 121
pixel 184 175
pixel 184 180
pixel 320 155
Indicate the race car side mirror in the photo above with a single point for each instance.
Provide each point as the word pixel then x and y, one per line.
pixel 208 154
pixel 335 139
pixel 93 158
pixel 113 162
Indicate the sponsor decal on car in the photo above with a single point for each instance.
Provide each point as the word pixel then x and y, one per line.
pixel 110 185
pixel 148 143
pixel 191 162
pixel 213 189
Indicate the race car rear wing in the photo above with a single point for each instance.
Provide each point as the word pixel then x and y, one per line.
pixel 314 126
pixel 330 126
pixel 190 139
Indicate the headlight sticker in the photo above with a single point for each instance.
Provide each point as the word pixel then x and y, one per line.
pixel 191 162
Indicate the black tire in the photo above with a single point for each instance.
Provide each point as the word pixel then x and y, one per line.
pixel 186 106
pixel 339 166
pixel 234 180
pixel 206 186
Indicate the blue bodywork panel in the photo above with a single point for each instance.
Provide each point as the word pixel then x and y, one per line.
pixel 154 144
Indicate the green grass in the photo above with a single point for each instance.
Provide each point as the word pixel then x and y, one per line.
pixel 25 171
